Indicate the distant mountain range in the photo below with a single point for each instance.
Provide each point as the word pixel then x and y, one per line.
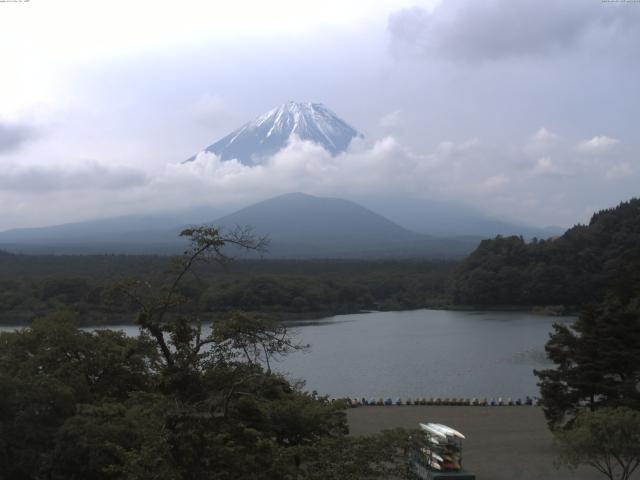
pixel 299 226
pixel 137 234
pixel 270 132
pixel 449 219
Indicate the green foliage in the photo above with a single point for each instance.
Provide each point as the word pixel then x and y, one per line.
pixel 597 361
pixel 102 364
pixel 573 270
pixel 171 404
pixel 93 442
pixel 371 457
pixel 47 372
pixel 33 286
pixel 65 415
pixel 31 411
pixel 607 440
pixel 67 290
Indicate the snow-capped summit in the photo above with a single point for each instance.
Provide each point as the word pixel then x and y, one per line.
pixel 270 132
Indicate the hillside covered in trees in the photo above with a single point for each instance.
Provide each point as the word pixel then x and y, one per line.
pixel 572 270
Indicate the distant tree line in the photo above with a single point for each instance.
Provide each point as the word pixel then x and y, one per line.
pixel 33 286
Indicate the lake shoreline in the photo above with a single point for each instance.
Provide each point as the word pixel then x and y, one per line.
pixel 285 317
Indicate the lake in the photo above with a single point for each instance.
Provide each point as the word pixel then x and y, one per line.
pixel 423 353
pixel 430 353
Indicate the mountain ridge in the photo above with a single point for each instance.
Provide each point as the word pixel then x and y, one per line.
pixel 443 219
pixel 306 226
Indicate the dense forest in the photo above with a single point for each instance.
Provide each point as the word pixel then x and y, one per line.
pixel 31 286
pixel 572 270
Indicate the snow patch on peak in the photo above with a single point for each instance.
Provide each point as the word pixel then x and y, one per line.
pixel 270 132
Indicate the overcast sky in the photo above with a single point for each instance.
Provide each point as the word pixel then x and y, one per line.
pixel 525 109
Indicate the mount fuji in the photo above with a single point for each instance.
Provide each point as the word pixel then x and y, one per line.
pixel 270 132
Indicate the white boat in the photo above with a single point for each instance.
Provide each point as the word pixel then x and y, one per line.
pixel 429 428
pixel 432 454
pixel 448 430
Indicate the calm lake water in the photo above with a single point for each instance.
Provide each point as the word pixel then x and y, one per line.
pixel 431 353
pixel 423 353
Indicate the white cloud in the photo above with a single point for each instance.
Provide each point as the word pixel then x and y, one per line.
pixel 88 176
pixel 493 183
pixel 37 195
pixel 620 170
pixel 597 144
pixel 211 111
pixel 541 142
pixel 544 136
pixel 557 166
pixel 383 167
pixel 501 29
pixel 470 171
pixel 14 135
pixel 449 148
pixel 391 119
pixel 544 166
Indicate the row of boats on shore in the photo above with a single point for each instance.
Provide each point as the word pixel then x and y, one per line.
pixel 481 402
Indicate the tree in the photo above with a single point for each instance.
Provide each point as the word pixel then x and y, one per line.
pixel 47 371
pixel 607 439
pixel 225 404
pixel 370 457
pixel 597 362
pixel 177 333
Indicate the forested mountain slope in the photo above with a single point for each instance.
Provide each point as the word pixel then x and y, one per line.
pixel 574 269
